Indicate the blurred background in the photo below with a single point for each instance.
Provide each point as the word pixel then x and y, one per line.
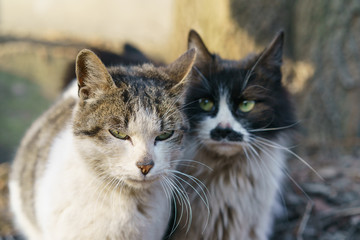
pixel 39 40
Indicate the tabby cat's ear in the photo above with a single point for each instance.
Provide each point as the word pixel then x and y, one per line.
pixel 181 67
pixel 92 75
pixel 271 57
pixel 203 55
pixel 178 72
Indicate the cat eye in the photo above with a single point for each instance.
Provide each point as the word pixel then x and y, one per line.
pixel 164 136
pixel 206 104
pixel 119 135
pixel 246 105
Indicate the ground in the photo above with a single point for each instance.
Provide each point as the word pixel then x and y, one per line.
pixel 326 208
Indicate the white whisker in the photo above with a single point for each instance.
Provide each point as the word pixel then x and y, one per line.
pixel 180 195
pixel 202 194
pixel 278 146
pixel 191 161
pixel 187 203
pixel 274 129
pixel 287 174
pixel 172 195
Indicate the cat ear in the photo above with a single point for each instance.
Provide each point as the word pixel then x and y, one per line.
pixel 92 75
pixel 178 72
pixel 180 68
pixel 272 55
pixel 203 55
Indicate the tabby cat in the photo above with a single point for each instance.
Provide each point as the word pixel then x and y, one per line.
pixel 99 163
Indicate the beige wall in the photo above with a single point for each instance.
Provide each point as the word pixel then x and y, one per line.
pixel 144 22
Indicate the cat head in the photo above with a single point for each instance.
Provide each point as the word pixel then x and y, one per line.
pixel 128 124
pixel 232 102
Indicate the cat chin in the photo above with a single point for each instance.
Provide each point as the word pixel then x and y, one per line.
pixel 141 183
pixel 227 149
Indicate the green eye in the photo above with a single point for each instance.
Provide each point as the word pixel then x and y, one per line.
pixel 119 135
pixel 246 105
pixel 206 104
pixel 164 136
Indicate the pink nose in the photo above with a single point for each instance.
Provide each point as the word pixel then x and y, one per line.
pixel 224 125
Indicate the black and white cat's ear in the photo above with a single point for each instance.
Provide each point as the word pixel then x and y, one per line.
pixel 92 76
pixel 181 67
pixel 203 55
pixel 272 55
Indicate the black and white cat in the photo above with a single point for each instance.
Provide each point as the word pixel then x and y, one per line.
pixel 241 120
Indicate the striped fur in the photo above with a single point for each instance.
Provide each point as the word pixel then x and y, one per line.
pixel 73 179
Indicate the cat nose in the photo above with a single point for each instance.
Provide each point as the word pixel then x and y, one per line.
pixel 145 166
pixel 224 125
pixel 220 133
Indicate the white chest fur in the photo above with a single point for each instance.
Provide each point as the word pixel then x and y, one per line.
pixel 242 198
pixel 71 204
